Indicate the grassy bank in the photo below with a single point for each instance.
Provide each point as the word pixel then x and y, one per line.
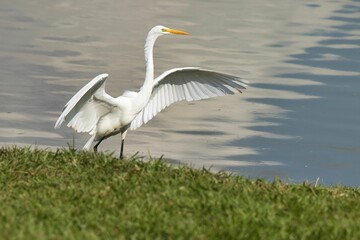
pixel 69 195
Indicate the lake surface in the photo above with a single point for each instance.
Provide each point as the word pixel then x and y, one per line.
pixel 299 119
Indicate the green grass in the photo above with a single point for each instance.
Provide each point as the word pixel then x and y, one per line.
pixel 72 195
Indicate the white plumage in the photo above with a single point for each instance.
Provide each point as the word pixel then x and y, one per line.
pixel 188 83
pixel 92 110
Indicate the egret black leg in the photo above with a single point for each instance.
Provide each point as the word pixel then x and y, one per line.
pixel 122 148
pixel 97 144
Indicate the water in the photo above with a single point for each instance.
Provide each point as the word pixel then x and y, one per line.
pixel 298 120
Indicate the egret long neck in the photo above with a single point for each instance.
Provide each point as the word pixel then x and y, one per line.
pixel 145 92
pixel 149 61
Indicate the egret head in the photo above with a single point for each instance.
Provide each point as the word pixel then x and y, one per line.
pixel 161 30
pixel 154 33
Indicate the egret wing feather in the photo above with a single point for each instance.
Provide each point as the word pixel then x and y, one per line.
pixel 84 109
pixel 188 84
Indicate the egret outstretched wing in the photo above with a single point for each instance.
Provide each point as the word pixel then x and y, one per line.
pixel 188 84
pixel 84 109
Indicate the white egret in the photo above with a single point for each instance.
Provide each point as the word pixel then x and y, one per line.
pixel 92 110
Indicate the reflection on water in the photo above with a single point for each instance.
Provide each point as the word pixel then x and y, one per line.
pixel 325 130
pixel 298 120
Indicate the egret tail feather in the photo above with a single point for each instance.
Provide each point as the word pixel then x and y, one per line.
pixel 88 144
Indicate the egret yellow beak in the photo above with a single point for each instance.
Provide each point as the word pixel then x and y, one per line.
pixel 174 31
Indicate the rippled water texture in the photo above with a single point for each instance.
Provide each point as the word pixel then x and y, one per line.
pixel 299 120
